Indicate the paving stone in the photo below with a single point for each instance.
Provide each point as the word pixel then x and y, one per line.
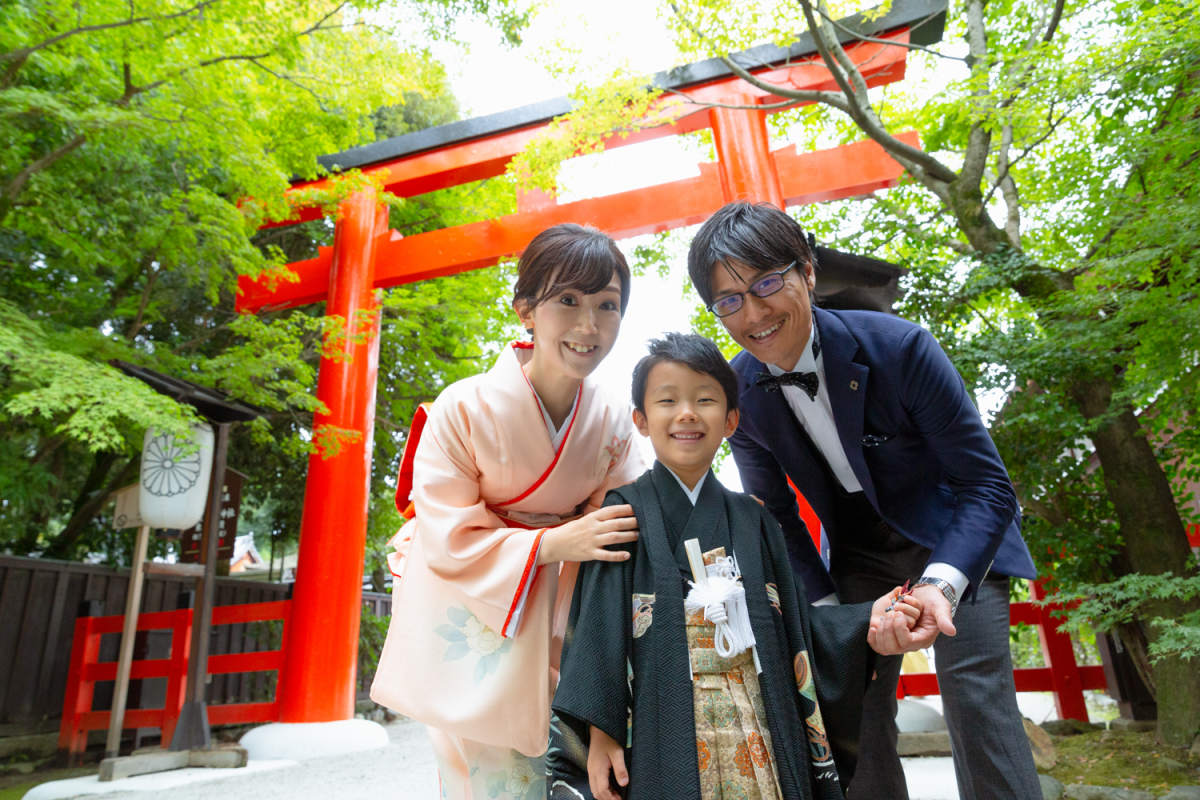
pixel 1133 725
pixel 39 744
pixel 225 756
pixel 1079 791
pixel 923 744
pixel 1069 727
pixel 1052 788
pixel 1182 793
pixel 1044 755
pixel 141 763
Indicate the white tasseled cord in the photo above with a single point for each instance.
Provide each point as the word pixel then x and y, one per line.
pixel 723 601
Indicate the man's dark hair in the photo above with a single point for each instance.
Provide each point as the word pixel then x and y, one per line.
pixel 569 256
pixel 692 351
pixel 758 235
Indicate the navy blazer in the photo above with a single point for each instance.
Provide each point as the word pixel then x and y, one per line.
pixel 912 436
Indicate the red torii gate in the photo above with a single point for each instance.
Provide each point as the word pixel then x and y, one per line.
pixel 318 681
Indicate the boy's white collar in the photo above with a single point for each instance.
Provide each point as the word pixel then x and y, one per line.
pixel 692 494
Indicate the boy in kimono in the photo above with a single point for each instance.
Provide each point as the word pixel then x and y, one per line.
pixel 707 676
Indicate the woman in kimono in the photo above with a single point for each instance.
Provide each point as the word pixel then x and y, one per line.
pixel 506 473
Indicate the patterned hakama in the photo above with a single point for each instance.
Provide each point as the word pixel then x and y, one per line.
pixel 733 741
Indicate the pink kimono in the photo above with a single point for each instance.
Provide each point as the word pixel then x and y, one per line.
pixel 476 625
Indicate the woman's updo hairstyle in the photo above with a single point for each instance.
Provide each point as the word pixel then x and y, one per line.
pixel 569 256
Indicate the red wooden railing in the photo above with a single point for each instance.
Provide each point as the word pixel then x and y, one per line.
pixel 85 670
pixel 1061 674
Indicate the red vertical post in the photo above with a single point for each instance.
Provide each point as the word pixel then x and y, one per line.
pixel 181 646
pixel 85 650
pixel 743 147
pixel 322 651
pixel 1060 658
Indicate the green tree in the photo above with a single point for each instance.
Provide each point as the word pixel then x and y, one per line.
pixel 1050 222
pixel 128 243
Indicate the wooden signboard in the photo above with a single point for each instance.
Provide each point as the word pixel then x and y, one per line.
pixel 192 541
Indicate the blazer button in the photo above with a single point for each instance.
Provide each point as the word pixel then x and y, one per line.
pixel 854 386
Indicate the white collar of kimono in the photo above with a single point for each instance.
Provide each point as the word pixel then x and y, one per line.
pixel 556 434
pixel 692 494
pixel 522 351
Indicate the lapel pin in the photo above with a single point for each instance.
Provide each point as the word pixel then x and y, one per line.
pixel 854 386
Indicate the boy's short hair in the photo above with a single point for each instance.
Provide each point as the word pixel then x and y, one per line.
pixel 692 351
pixel 757 235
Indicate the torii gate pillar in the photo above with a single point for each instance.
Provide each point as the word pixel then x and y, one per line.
pixel 317 691
pixel 743 149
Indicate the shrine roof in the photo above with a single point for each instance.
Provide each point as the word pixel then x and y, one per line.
pixel 210 403
pixel 925 20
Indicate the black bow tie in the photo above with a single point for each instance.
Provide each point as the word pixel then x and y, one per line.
pixel 808 381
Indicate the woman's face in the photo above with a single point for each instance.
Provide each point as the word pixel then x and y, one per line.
pixel 573 331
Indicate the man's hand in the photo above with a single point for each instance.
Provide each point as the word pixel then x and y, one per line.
pixel 605 754
pixel 892 617
pixel 935 616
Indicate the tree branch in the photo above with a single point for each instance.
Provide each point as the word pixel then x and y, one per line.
pixel 922 165
pixel 1008 188
pixel 8 196
pixel 1055 18
pixel 864 38
pixel 136 325
pixel 834 99
pixel 754 107
pixel 20 56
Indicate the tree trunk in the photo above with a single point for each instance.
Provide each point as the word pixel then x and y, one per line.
pixel 379 579
pixel 92 498
pixel 1155 543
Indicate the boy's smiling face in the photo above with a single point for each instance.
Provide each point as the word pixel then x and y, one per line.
pixel 686 419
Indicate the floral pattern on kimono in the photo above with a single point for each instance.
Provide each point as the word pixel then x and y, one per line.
pixel 467 635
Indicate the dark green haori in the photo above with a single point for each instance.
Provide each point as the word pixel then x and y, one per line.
pixel 627 668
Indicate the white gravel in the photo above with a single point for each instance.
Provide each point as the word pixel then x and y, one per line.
pixel 404 771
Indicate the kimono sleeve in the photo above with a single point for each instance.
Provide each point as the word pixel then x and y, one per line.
pixel 463 542
pixel 843 663
pixel 594 687
pixel 627 466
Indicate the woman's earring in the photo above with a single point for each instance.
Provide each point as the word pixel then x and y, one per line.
pixel 530 332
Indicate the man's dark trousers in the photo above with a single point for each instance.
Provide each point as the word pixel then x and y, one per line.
pixel 974 670
pixel 929 468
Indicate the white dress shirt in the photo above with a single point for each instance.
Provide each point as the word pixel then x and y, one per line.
pixel 816 415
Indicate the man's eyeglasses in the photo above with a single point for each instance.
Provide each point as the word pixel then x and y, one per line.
pixel 763 287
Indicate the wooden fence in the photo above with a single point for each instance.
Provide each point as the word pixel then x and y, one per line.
pixel 40 601
pixel 1061 675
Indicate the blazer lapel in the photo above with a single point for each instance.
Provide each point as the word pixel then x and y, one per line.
pixel 846 383
pixel 791 447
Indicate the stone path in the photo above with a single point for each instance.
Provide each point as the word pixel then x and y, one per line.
pixel 403 771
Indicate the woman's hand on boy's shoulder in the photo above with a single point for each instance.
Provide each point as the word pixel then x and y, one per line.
pixel 590 537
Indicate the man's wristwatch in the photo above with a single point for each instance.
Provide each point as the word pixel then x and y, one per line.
pixel 945 588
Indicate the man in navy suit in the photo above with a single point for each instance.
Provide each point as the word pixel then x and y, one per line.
pixel 867 416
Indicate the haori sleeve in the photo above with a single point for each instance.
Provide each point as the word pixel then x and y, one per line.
pixel 594 687
pixel 843 664
pixel 463 542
